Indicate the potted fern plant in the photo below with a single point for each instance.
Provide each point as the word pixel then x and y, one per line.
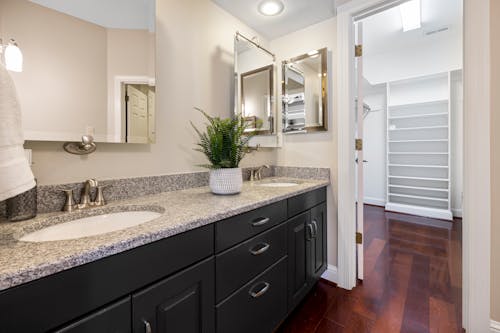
pixel 224 143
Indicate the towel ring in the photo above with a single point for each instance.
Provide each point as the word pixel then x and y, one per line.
pixel 87 146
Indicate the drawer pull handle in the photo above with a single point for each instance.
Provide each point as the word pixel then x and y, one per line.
pixel 261 222
pixel 261 248
pixel 147 326
pixel 261 292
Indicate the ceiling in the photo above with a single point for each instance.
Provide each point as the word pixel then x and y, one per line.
pixel 118 14
pixel 297 15
pixel 383 32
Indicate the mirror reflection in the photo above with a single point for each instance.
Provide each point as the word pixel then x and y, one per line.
pixel 88 68
pixel 254 91
pixel 304 97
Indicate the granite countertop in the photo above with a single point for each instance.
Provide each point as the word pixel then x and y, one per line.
pixel 184 210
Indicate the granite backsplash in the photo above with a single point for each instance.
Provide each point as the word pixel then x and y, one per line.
pixel 51 197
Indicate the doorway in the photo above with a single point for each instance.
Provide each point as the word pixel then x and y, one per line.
pixel 409 141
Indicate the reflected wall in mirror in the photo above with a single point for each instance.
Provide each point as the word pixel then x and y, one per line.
pixel 80 57
pixel 254 90
pixel 305 93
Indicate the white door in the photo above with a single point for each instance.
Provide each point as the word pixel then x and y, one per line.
pixel 359 152
pixel 137 115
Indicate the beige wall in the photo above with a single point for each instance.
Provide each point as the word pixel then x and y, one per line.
pixel 314 149
pixel 194 68
pixel 495 160
pixel 57 67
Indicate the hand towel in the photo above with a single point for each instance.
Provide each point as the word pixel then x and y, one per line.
pixel 16 176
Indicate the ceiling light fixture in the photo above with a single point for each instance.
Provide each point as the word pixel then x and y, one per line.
pixel 411 15
pixel 271 7
pixel 12 55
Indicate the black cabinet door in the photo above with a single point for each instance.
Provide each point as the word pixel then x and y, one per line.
pixel 318 252
pixel 299 252
pixel 182 303
pixel 114 318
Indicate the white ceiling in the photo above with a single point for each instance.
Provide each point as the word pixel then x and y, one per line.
pixel 118 14
pixel 383 32
pixel 297 15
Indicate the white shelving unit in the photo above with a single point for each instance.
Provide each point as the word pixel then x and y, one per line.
pixel 418 146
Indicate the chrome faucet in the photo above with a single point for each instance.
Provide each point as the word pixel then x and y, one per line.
pixel 85 199
pixel 256 174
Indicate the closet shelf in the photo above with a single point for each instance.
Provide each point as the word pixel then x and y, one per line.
pixel 419 166
pixel 419 104
pixel 420 178
pixel 425 115
pixel 418 197
pixel 417 128
pixel 421 188
pixel 419 140
pixel 417 153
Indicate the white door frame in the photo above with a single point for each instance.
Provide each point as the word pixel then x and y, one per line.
pixel 476 206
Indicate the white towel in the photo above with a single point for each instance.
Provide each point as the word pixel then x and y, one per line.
pixel 16 176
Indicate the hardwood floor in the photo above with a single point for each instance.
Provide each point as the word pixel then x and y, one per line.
pixel 412 282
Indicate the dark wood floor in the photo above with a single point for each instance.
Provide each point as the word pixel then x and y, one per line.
pixel 412 282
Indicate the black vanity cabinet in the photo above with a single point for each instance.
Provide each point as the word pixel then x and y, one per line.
pixel 182 303
pixel 242 274
pixel 307 246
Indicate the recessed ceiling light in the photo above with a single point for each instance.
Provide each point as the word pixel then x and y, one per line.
pixel 271 7
pixel 411 15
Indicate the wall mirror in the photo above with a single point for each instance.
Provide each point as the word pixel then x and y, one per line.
pixel 305 93
pixel 254 85
pixel 88 68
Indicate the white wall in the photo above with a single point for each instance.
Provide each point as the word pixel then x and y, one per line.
pixel 315 149
pixel 194 68
pixel 375 148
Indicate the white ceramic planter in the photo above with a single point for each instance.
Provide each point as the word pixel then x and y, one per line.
pixel 226 181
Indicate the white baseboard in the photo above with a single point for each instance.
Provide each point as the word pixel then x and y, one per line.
pixel 494 326
pixel 331 274
pixel 374 201
pixel 457 212
pixel 421 211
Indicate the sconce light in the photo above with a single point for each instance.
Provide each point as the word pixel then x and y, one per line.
pixel 12 55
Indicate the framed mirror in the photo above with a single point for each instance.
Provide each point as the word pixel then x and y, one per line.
pixel 254 88
pixel 305 93
pixel 88 68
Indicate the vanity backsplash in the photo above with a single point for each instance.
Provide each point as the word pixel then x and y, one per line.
pixel 51 197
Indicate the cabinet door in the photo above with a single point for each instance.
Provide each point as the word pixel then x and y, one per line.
pixel 318 253
pixel 183 303
pixel 299 252
pixel 114 318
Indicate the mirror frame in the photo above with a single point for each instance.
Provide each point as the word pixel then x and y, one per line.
pixel 323 53
pixel 270 102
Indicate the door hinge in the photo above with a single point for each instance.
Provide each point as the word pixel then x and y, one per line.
pixel 359 238
pixel 127 98
pixel 359 144
pixel 358 51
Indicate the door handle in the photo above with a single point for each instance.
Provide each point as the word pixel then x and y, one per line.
pixel 315 228
pixel 261 292
pixel 364 161
pixel 310 228
pixel 261 248
pixel 260 222
pixel 147 326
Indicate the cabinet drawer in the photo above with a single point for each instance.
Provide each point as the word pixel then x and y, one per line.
pixel 239 264
pixel 306 201
pixel 235 229
pixel 259 306
pixel 114 318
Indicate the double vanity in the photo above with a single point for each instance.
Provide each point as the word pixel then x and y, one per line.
pixel 181 261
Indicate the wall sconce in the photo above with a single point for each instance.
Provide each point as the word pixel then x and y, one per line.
pixel 13 56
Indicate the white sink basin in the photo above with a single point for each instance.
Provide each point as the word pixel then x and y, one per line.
pixel 284 184
pixel 91 226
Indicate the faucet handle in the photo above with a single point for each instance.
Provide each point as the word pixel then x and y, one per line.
pixel 69 204
pixel 99 198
